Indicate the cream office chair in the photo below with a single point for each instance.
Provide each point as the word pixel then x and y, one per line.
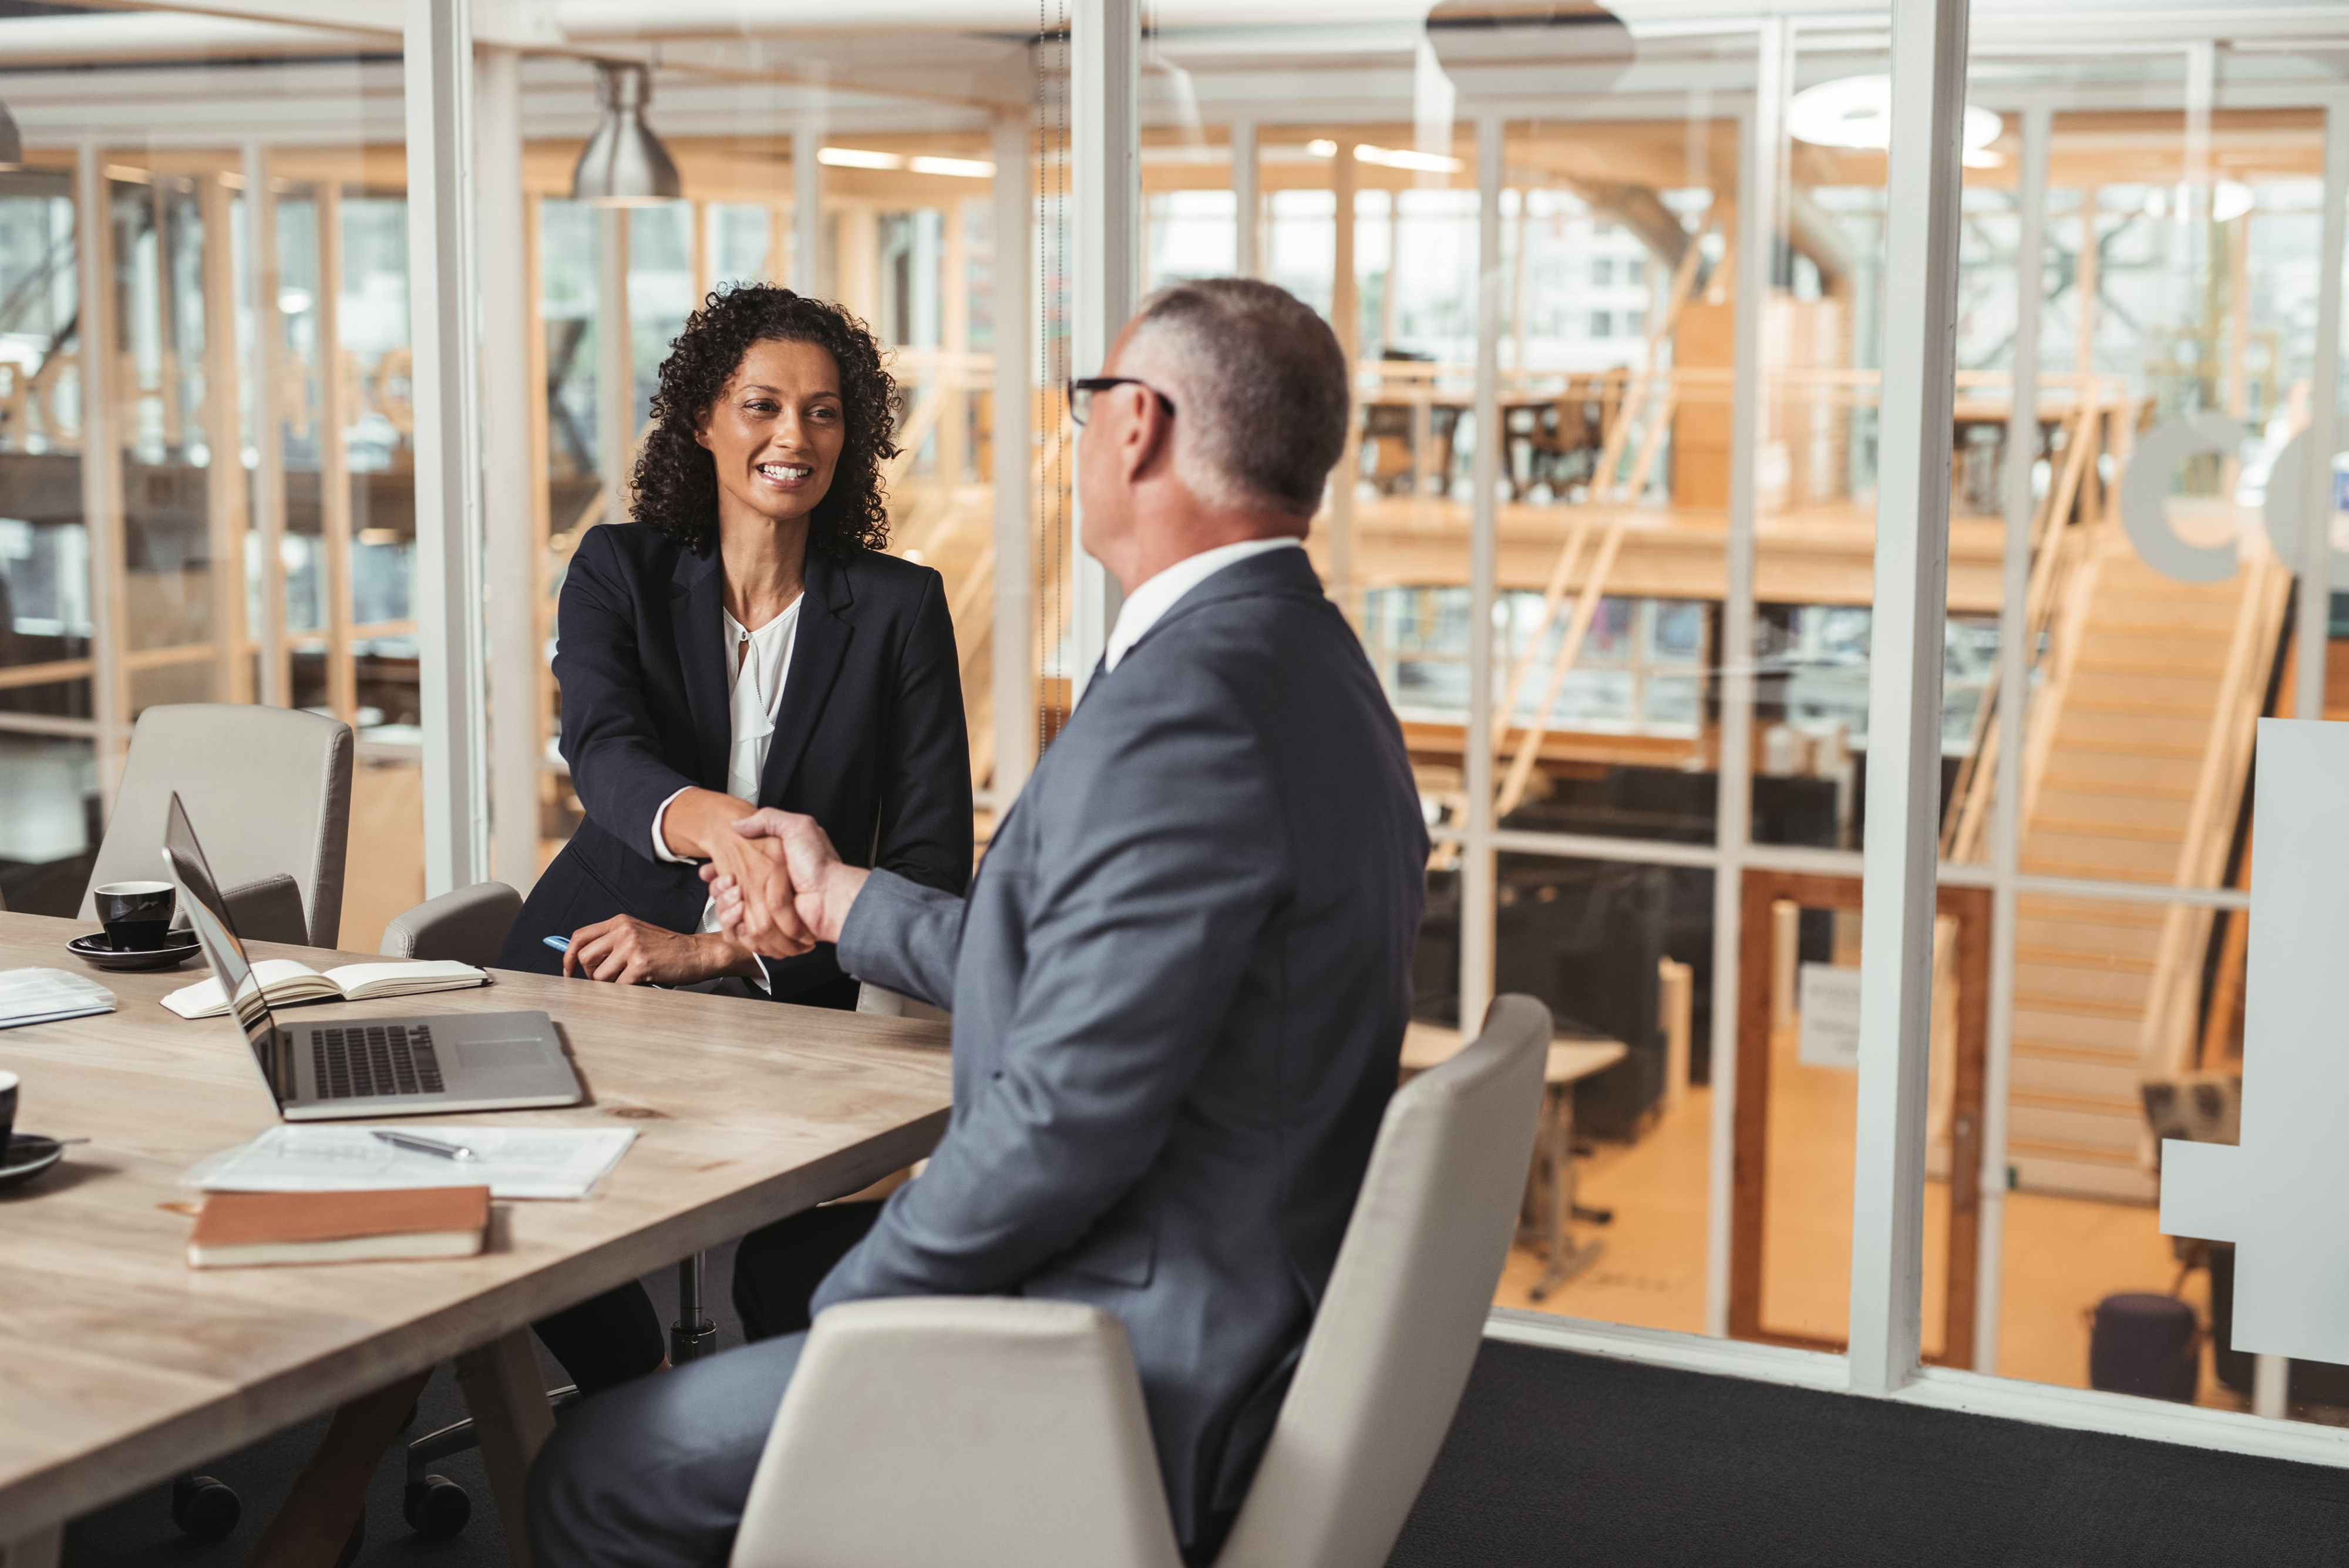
pixel 997 1433
pixel 270 791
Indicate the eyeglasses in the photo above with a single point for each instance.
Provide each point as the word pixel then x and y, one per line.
pixel 1080 394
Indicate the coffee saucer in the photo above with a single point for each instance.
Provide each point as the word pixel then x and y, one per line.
pixel 95 949
pixel 28 1155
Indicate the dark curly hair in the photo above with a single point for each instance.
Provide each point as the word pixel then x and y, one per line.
pixel 676 480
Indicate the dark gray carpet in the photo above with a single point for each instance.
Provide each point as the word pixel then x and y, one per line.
pixel 1572 1460
pixel 1569 1460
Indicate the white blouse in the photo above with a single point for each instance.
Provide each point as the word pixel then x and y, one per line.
pixel 757 665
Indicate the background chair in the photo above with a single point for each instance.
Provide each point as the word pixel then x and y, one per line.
pixel 269 790
pixel 998 1433
pixel 468 926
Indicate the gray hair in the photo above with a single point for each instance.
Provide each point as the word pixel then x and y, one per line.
pixel 1259 387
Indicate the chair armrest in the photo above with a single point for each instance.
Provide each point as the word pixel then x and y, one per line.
pixel 982 1431
pixel 268 910
pixel 469 925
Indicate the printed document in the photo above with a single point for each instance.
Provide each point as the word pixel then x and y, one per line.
pixel 511 1162
pixel 46 995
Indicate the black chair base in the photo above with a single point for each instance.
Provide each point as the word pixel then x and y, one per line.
pixel 434 1506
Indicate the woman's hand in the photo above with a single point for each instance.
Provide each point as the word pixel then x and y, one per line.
pixel 700 824
pixel 629 951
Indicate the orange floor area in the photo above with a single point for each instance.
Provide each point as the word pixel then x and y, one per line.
pixel 2061 1254
pixel 383 873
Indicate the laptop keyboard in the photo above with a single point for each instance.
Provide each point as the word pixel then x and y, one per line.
pixel 364 1061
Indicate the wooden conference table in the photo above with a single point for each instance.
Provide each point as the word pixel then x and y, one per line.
pixel 121 1367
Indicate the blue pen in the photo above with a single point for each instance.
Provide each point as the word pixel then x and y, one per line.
pixel 559 944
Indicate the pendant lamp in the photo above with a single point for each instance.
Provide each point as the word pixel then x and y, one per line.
pixel 624 164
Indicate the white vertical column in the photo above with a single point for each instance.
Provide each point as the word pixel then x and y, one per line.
pixel 336 417
pixel 807 204
pixel 1014 438
pixel 1758 235
pixel 1478 872
pixel 616 395
pixel 225 485
pixel 2190 214
pixel 1105 207
pixel 1248 202
pixel 445 303
pixel 510 467
pixel 2314 608
pixel 1346 317
pixel 268 490
pixel 1904 697
pixel 101 466
pixel 2014 704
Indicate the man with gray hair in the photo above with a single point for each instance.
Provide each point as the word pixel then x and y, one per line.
pixel 1179 982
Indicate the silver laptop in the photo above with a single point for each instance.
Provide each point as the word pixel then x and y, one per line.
pixel 372 1066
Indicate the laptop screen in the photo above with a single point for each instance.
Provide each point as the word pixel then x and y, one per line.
pixel 216 933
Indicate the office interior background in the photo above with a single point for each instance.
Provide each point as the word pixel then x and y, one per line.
pixel 1619 290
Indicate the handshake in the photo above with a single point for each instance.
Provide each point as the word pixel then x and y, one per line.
pixel 779 885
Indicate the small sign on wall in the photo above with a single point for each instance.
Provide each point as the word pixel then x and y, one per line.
pixel 1829 1036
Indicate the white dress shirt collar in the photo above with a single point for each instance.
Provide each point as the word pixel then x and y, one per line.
pixel 1146 605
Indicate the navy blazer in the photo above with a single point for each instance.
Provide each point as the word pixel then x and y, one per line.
pixel 869 737
pixel 1179 987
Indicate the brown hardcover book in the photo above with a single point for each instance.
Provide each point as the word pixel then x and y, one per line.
pixel 236 1229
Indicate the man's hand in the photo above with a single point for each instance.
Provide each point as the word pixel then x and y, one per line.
pixel 821 887
pixel 632 952
pixel 699 823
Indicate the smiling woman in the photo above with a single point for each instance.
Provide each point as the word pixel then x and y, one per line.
pixel 715 410
pixel 743 643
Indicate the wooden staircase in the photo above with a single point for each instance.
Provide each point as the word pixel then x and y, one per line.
pixel 2140 747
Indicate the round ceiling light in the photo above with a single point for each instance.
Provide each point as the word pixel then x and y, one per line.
pixel 1856 112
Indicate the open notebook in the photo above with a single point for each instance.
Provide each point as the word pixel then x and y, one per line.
pixel 285 983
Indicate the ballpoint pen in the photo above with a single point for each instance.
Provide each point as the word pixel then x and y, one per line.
pixel 430 1146
pixel 559 944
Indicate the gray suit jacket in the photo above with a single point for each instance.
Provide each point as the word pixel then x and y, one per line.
pixel 1179 988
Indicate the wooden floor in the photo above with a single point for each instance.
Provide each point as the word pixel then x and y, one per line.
pixel 384 872
pixel 2061 1255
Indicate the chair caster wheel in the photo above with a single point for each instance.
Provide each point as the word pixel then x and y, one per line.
pixel 204 1508
pixel 436 1507
pixel 351 1546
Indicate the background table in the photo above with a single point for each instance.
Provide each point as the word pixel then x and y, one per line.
pixel 1550 1188
pixel 119 1366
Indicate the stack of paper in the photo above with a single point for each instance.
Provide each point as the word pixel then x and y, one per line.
pixel 511 1162
pixel 46 996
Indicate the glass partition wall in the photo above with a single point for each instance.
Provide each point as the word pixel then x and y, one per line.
pixel 206 476
pixel 2156 226
pixel 1621 304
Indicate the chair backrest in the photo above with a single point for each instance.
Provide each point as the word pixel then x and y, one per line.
pixel 976 1430
pixel 1398 1329
pixel 469 925
pixel 268 789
